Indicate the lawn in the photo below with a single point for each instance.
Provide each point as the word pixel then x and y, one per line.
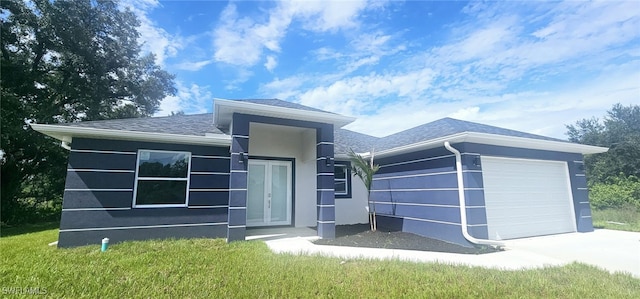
pixel 206 268
pixel 619 219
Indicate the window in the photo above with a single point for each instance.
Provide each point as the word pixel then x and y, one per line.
pixel 162 179
pixel 342 174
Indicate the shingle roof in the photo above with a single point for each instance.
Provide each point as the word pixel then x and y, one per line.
pixel 445 127
pixel 201 124
pixel 281 103
pixel 195 124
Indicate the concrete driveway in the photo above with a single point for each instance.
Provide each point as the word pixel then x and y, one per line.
pixel 607 249
pixel 611 250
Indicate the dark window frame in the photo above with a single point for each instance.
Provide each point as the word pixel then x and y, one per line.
pixel 347 179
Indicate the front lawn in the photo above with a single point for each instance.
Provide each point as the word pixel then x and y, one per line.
pixel 205 268
pixel 627 219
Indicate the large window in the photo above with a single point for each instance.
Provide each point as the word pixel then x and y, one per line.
pixel 342 174
pixel 162 179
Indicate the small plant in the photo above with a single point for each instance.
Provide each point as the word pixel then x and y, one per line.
pixel 365 171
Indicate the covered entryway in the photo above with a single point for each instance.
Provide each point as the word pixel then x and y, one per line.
pixel 525 198
pixel 269 193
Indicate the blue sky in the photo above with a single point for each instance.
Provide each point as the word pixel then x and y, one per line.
pixel 531 66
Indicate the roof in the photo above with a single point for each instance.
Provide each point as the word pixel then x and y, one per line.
pixel 200 129
pixel 446 127
pixel 224 110
pixel 195 124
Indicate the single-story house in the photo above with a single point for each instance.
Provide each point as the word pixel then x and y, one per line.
pixel 258 163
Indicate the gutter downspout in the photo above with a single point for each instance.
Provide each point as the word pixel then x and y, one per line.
pixel 463 206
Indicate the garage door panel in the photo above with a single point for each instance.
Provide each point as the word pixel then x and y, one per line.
pixel 526 197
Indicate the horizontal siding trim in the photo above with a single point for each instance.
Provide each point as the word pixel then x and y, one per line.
pixel 429 220
pixel 324 142
pixel 140 227
pixel 416 161
pixel 583 202
pixel 101 170
pixel 237 208
pixel 99 190
pixel 237 226
pixel 94 209
pixel 208 207
pixel 326 190
pixel 240 136
pixel 323 222
pixel 103 152
pixel 210 190
pixel 425 189
pixel 210 157
pixel 415 204
pixel 326 206
pixel 208 173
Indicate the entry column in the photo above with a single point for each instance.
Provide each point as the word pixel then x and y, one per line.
pixel 237 224
pixel 325 181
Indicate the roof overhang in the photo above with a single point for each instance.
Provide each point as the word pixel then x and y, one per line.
pixel 67 133
pixel 224 110
pixel 497 140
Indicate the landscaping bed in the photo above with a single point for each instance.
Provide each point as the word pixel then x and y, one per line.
pixel 360 235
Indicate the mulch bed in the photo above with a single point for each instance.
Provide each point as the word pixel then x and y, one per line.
pixel 359 235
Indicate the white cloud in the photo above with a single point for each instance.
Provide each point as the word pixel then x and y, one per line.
pixel 241 41
pixel 193 66
pixel 190 99
pixel 154 39
pixel 271 63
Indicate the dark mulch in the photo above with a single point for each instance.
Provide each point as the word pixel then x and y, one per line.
pixel 359 235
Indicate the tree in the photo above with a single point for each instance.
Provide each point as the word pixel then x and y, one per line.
pixel 620 131
pixel 365 171
pixel 65 61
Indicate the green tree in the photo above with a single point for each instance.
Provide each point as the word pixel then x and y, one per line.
pixel 365 171
pixel 620 131
pixel 65 61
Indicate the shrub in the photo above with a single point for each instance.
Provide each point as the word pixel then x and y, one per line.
pixel 621 192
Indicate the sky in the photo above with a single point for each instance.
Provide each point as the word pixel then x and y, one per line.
pixel 531 66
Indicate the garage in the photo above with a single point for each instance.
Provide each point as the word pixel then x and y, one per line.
pixel 525 198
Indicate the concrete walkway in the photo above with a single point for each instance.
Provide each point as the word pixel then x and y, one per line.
pixel 610 250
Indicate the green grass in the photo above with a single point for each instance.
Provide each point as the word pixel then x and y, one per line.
pixel 619 219
pixel 206 268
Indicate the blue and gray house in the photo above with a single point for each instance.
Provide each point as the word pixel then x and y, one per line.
pixel 262 163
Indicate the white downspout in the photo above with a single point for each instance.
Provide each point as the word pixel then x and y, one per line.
pixel 463 206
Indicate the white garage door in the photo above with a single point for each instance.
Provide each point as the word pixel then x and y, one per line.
pixel 525 198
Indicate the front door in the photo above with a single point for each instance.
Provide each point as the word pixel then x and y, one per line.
pixel 269 193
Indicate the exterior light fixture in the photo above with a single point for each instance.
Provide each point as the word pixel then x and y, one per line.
pixel 241 160
pixel 328 160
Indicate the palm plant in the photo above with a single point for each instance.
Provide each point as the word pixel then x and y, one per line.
pixel 365 171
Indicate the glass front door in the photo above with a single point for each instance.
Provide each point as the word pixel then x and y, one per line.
pixel 269 193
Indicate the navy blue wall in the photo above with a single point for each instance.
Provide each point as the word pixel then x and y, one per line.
pixel 98 195
pixel 418 191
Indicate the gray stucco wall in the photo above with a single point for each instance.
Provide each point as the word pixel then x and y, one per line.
pixel 99 188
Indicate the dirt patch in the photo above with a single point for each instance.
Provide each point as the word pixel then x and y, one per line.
pixel 359 235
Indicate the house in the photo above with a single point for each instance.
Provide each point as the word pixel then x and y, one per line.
pixel 256 163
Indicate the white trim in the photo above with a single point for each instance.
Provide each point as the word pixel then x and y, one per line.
pixel 67 133
pixel 210 157
pixel 415 204
pixel 208 207
pixel 497 140
pixel 415 161
pixel 186 179
pixel 237 208
pixel 580 188
pixel 327 190
pixel 208 173
pixel 224 110
pixel 580 174
pixel 324 143
pixel 238 171
pixel 427 189
pixel 585 216
pixel 211 190
pixel 100 170
pixel 236 226
pixel 324 158
pixel 234 189
pixel 328 221
pixel 413 175
pixel 429 220
pixel 102 152
pixel 583 202
pixel 98 190
pixel 140 226
pixel 476 225
pixel 240 136
pixel 95 209
pixel 326 206
pixel 325 173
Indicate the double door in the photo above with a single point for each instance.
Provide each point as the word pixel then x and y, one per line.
pixel 269 193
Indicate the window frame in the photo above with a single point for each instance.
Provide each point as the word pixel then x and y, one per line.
pixel 347 179
pixel 148 178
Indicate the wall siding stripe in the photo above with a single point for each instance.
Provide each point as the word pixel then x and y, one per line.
pixel 139 227
pixel 103 152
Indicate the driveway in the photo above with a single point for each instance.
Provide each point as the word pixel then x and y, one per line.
pixel 611 250
pixel 608 249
